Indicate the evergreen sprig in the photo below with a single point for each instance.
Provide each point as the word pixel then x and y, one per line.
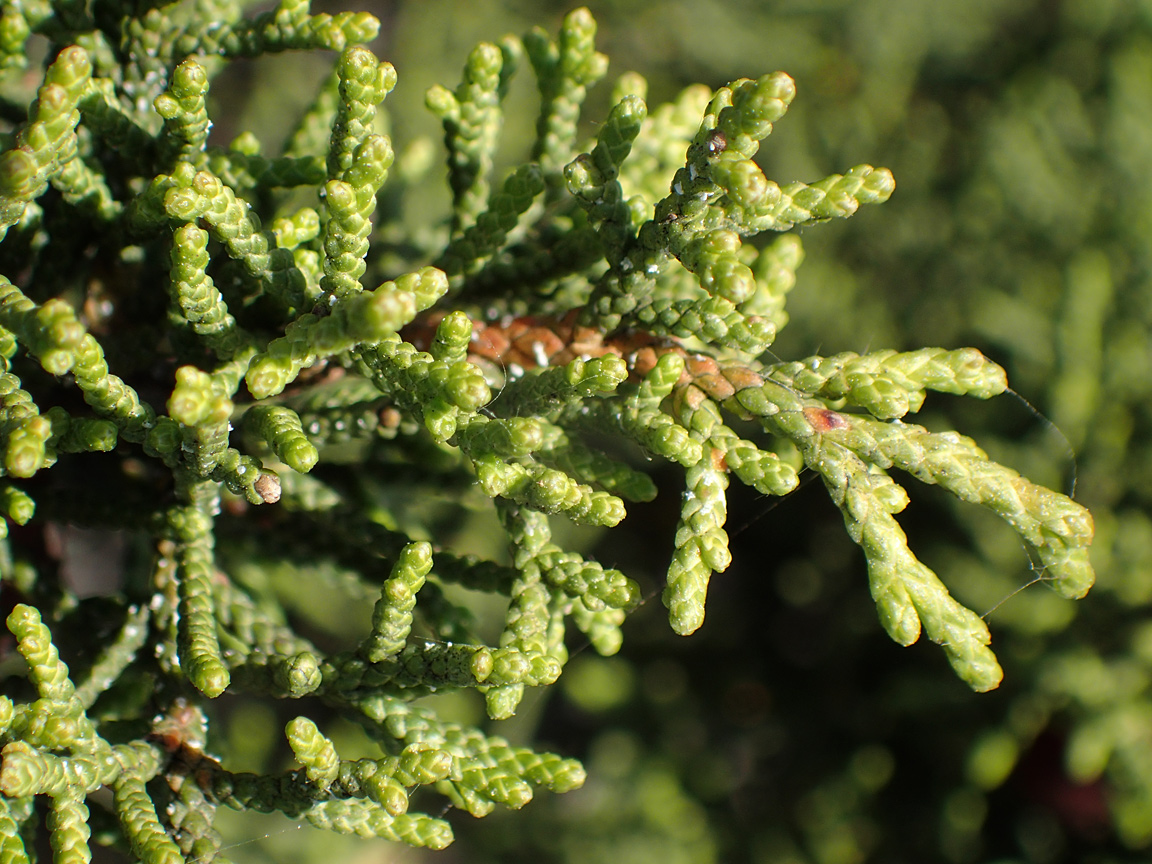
pixel 291 434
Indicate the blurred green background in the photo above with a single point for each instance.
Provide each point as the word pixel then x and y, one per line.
pixel 789 728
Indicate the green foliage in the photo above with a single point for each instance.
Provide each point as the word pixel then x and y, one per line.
pixel 609 299
pixel 1017 132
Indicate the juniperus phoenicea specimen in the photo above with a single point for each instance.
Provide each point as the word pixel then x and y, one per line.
pixel 317 401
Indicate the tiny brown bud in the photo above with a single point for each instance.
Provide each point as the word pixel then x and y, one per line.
pixel 717 143
pixel 825 419
pixel 267 486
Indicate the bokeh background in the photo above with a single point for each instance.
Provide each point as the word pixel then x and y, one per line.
pixel 789 728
